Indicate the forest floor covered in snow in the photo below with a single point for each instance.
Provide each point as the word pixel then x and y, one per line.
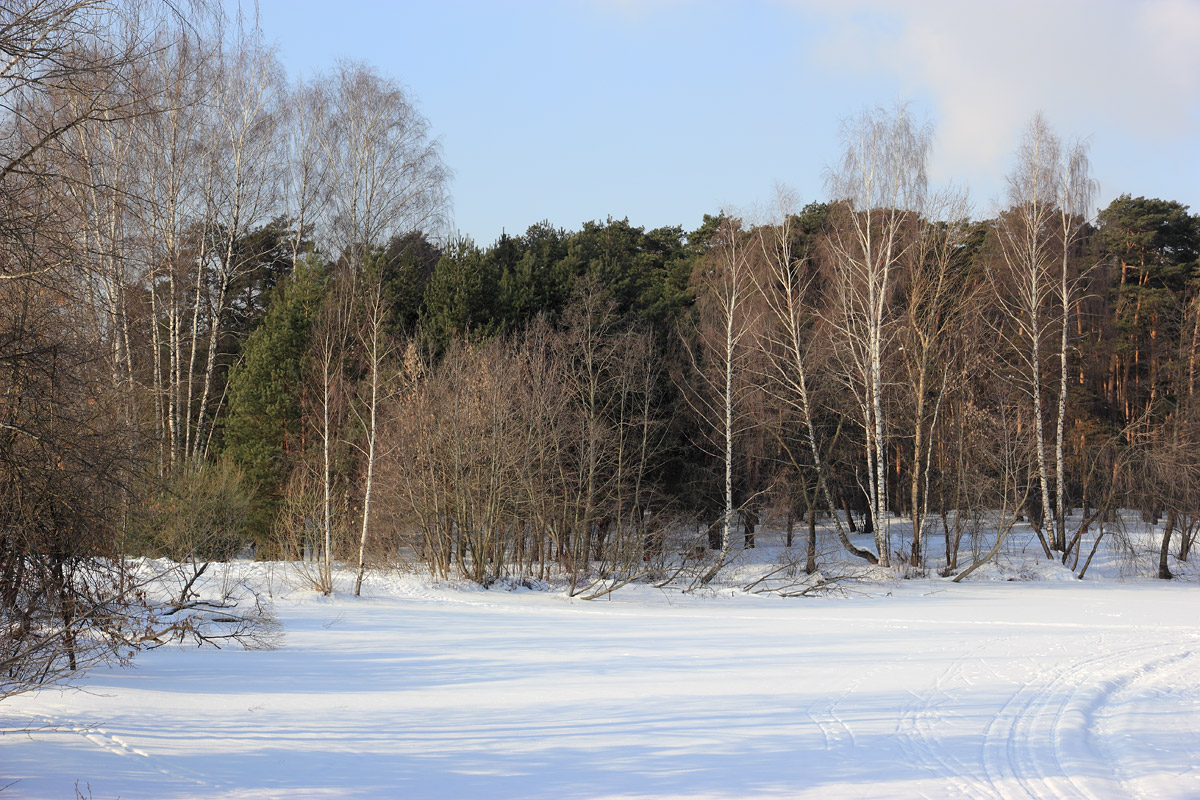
pixel 1019 682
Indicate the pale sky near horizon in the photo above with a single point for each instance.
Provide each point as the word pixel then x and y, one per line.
pixel 664 110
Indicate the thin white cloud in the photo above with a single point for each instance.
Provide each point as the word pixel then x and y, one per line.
pixel 1123 65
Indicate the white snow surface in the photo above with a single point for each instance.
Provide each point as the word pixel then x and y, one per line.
pixel 992 688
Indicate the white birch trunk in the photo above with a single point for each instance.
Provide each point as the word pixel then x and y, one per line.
pixel 1038 424
pixel 327 464
pixel 374 355
pixel 1060 510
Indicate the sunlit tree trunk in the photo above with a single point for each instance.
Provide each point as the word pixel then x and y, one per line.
pixel 880 194
pixel 784 288
pixel 376 348
pixel 727 319
pixel 1049 196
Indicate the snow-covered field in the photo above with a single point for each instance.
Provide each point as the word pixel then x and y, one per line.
pixel 1049 687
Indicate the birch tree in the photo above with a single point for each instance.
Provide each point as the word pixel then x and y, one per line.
pixel 380 175
pixel 303 185
pixel 377 348
pixel 727 318
pixel 931 341
pixel 384 174
pixel 879 191
pixel 328 360
pixel 1076 194
pixel 60 61
pixel 174 173
pixel 244 193
pixel 789 296
pixel 1049 194
pixel 71 84
pixel 100 192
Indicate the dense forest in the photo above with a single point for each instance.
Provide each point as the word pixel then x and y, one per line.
pixel 232 319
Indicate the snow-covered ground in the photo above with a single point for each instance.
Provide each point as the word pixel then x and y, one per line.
pixel 1044 687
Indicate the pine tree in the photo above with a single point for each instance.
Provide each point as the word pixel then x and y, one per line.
pixel 263 424
pixel 461 296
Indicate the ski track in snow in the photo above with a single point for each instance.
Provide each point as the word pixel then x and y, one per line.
pixel 1060 708
pixel 825 714
pixel 917 726
pixel 1159 683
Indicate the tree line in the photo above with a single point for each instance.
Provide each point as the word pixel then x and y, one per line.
pixel 232 313
pixel 562 402
pixel 562 399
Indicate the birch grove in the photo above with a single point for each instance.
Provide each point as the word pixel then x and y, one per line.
pixel 881 189
pixel 1049 193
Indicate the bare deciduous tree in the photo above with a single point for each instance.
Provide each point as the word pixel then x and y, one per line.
pixel 728 317
pixel 932 341
pixel 383 173
pixel 880 193
pixel 244 193
pixel 1049 196
pixel 789 297
pixel 377 348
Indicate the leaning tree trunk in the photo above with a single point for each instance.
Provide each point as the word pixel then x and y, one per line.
pixel 1164 553
pixel 366 512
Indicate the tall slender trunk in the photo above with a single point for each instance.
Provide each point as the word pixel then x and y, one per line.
pixel 327 463
pixel 730 310
pixel 726 532
pixel 175 355
pixel 1195 349
pixel 157 376
pixel 228 271
pixel 810 559
pixel 801 372
pixel 927 460
pixel 1060 510
pixel 916 510
pixel 1038 424
pixel 201 260
pixel 879 510
pixel 374 356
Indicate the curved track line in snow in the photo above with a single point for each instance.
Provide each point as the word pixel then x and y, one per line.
pixel 824 712
pixel 1076 723
pixel 1168 686
pixel 1040 744
pixel 917 727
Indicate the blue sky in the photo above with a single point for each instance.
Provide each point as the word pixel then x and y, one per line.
pixel 664 110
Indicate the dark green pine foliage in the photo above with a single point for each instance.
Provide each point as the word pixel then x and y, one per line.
pixel 262 432
pixel 406 263
pixel 644 273
pixel 1150 234
pixel 609 254
pixel 264 256
pixel 668 262
pixel 462 296
pixel 701 240
pixel 533 278
pixel 478 293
